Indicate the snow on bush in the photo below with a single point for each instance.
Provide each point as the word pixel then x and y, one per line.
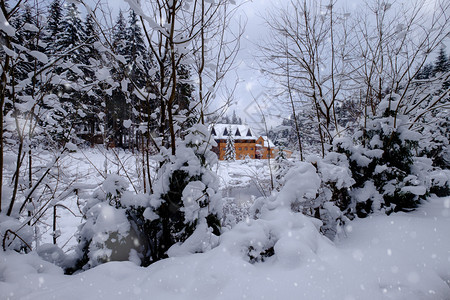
pixel 104 235
pixel 281 232
pixel 15 234
pixel 440 182
pixel 185 195
pixel 279 236
pixel 234 213
pixel 282 166
pixel 333 204
pixel 382 159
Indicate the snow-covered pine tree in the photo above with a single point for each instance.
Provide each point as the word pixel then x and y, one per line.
pixel 69 77
pixel 235 119
pixel 186 115
pixel 282 166
pixel 129 101
pixel 53 26
pixel 435 143
pixel 118 34
pixel 115 108
pixel 333 204
pixel 441 63
pixel 433 117
pixel 426 72
pixel 281 155
pixel 185 207
pixel 382 163
pixel 92 92
pixel 139 72
pixel 230 150
pixel 135 51
pixel 28 35
pixel 71 33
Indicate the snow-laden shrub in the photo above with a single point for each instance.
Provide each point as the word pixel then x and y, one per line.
pixel 185 201
pixel 15 234
pixel 234 213
pixel 440 182
pixel 280 231
pixel 435 141
pixel 108 232
pixel 361 161
pixel 282 166
pixel 333 205
pixel 278 235
pixel 328 184
pixel 381 159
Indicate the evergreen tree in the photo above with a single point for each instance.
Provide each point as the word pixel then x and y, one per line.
pixel 230 150
pixel 382 164
pixel 116 106
pixel 119 34
pixel 125 104
pixel 71 70
pixel 235 119
pixel 53 25
pixel 135 51
pixel 71 33
pixel 186 117
pixel 226 120
pixel 426 72
pixel 441 63
pixel 27 38
pixel 435 143
pixel 92 92
pixel 282 166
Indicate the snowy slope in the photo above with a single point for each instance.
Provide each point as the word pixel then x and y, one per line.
pixel 402 256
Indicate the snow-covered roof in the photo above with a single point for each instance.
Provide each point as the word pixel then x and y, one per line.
pixel 241 132
pixel 267 142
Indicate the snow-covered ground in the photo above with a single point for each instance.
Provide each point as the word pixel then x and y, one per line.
pixel 402 256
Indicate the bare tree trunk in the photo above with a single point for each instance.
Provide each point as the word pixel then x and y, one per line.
pixel 202 63
pixel 2 104
pixel 16 178
pixel 143 164
pixel 294 113
pixel 147 154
